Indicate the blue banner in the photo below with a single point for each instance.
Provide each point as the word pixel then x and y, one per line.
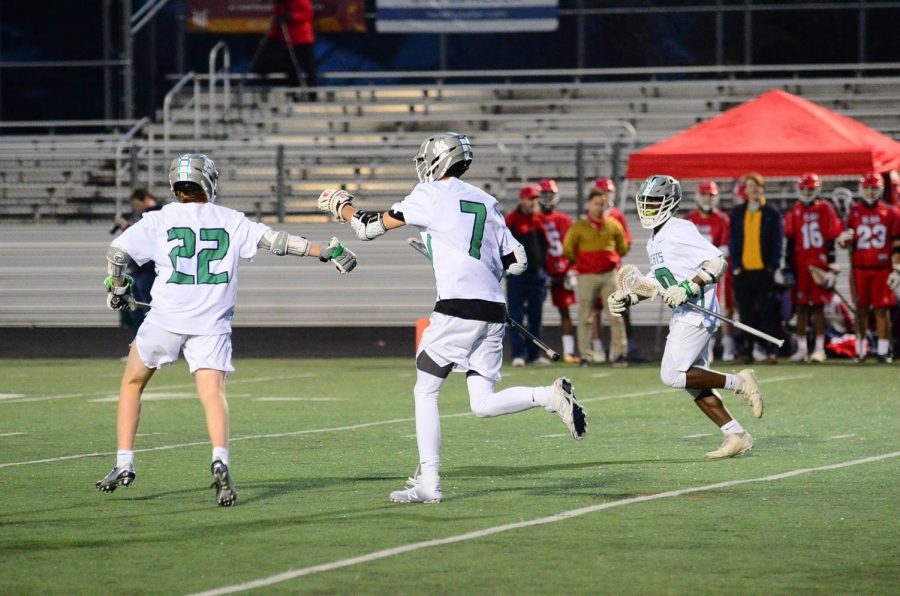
pixel 465 16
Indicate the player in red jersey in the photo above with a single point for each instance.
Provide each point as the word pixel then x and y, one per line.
pixel 606 185
pixel 873 236
pixel 811 226
pixel 562 280
pixel 714 225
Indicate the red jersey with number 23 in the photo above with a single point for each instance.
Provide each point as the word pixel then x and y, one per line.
pixel 874 229
pixel 811 227
pixel 556 224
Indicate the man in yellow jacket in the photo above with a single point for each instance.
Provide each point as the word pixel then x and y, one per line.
pixel 595 245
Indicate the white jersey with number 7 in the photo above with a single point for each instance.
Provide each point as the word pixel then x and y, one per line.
pixel 466 235
pixel 196 248
pixel 676 253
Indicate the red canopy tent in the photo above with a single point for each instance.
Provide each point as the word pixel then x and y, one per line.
pixel 776 134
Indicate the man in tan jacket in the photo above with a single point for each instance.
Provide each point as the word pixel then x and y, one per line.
pixel 595 245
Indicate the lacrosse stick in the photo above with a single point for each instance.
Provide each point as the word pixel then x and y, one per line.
pixel 820 276
pixel 141 305
pixel 630 281
pixel 552 354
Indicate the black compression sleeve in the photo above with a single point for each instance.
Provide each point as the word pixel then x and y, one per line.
pixel 508 260
pixel 829 247
pixel 396 215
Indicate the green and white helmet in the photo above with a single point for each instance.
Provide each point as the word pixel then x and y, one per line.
pixel 439 153
pixel 657 199
pixel 198 169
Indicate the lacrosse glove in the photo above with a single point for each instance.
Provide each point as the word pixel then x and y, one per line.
pixel 343 258
pixel 676 295
pixel 893 280
pixel 333 201
pixel 119 297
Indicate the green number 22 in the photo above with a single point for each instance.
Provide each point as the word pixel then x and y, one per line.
pixel 188 247
pixel 480 213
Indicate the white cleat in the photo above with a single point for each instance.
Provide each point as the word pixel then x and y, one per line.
pixel 517 362
pixel 540 362
pixel 750 393
pixel 598 356
pixel 819 356
pixel 568 408
pixel 417 492
pixel 799 356
pixel 733 445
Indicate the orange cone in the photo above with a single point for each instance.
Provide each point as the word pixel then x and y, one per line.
pixel 421 324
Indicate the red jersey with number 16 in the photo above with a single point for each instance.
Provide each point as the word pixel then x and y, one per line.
pixel 874 229
pixel 811 227
pixel 556 224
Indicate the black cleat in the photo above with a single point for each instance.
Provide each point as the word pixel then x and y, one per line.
pixel 225 495
pixel 118 477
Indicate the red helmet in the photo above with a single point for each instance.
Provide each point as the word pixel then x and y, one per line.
pixel 808 186
pixel 708 195
pixel 871 187
pixel 548 185
pixel 739 191
pixel 529 191
pixel 604 185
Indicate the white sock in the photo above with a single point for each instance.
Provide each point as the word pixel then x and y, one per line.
pixel 733 382
pixel 883 345
pixel 859 346
pixel 728 343
pixel 220 453
pixel 597 345
pixel 124 457
pixel 542 395
pixel 485 403
pixel 428 425
pixel 820 343
pixel 801 343
pixel 568 344
pixel 731 428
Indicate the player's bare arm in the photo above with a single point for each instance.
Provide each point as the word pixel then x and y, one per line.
pixel 282 243
pixel 367 225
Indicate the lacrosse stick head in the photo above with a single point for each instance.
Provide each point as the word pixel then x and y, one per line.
pixel 630 280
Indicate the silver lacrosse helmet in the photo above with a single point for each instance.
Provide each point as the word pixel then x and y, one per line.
pixel 657 199
pixel 198 169
pixel 439 153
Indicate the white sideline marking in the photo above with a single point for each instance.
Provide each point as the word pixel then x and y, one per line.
pixel 697 436
pixel 299 399
pixel 399 550
pixel 150 397
pixel 11 434
pixel 599 375
pixel 670 390
pixel 333 429
pixel 843 436
pixel 554 436
pixel 11 395
pixel 228 383
pixel 293 433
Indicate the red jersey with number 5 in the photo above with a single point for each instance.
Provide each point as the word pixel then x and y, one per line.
pixel 874 229
pixel 811 227
pixel 556 224
pixel 714 227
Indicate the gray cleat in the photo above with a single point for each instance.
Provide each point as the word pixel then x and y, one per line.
pixel 118 477
pixel 225 495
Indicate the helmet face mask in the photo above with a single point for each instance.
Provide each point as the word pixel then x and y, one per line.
pixel 198 169
pixel 657 198
pixel 439 153
pixel 871 187
pixel 808 188
pixel 708 196
pixel 549 194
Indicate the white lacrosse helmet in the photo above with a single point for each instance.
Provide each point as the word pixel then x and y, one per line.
pixel 439 153
pixel 195 168
pixel 657 199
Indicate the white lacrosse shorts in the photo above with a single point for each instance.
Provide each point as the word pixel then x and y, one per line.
pixel 687 345
pixel 158 348
pixel 469 345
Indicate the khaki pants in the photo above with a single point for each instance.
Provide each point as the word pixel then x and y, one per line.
pixel 592 286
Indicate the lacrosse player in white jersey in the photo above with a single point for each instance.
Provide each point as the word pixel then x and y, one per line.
pixel 470 248
pixel 686 266
pixel 196 246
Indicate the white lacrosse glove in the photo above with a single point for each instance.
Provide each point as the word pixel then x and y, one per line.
pixel 333 201
pixel 676 295
pixel 618 302
pixel 893 280
pixel 342 257
pixel 570 281
pixel 844 238
pixel 119 297
pixel 367 226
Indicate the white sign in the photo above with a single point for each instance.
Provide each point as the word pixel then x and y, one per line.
pixel 465 16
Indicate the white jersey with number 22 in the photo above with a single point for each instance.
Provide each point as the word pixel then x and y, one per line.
pixel 196 248
pixel 676 252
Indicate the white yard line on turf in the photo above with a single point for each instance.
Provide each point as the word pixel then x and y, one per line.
pixel 670 390
pixel 299 399
pixel 10 434
pixel 326 430
pixel 22 399
pixel 562 516
pixel 843 436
